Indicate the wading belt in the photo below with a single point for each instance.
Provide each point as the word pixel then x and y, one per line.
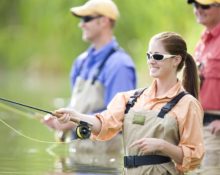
pixel 135 161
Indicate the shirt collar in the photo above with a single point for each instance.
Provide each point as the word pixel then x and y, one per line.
pixel 103 50
pixel 208 34
pixel 172 92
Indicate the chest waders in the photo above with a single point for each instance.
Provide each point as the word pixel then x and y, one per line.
pixel 150 124
pixel 88 97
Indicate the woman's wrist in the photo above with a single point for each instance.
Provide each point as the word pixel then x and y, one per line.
pixel 162 146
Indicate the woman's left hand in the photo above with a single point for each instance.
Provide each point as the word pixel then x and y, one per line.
pixel 148 145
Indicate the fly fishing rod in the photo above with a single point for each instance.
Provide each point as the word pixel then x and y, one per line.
pixel 83 130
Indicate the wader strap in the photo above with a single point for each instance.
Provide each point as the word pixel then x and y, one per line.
pixel 171 104
pixel 135 161
pixel 133 99
pixel 102 64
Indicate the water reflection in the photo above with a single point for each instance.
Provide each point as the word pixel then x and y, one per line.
pixel 87 162
pixel 65 165
pixel 21 156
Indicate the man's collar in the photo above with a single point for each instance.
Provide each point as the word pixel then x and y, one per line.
pixel 208 34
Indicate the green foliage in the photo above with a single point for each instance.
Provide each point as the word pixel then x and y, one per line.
pixel 39 35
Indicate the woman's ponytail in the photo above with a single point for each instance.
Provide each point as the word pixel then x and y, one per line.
pixel 190 76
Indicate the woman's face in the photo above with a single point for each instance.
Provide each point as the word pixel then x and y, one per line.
pixel 164 68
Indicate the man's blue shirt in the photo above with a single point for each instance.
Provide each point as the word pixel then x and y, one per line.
pixel 117 75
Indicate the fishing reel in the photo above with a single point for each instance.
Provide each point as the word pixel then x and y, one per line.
pixel 83 130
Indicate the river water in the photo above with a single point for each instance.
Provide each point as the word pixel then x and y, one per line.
pixel 29 148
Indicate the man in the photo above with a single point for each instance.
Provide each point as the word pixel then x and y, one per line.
pixel 98 73
pixel 116 72
pixel 207 54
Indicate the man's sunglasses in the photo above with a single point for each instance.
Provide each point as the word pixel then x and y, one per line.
pixel 85 19
pixel 204 7
pixel 158 57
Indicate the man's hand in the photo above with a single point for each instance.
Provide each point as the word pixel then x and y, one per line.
pixel 215 127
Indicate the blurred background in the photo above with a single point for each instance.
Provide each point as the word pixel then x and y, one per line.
pixel 39 40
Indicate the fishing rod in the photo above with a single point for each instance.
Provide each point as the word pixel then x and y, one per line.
pixel 83 130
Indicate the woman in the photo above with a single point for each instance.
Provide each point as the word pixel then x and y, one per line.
pixel 162 125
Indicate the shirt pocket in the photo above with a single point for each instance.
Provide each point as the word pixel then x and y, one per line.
pixel 212 67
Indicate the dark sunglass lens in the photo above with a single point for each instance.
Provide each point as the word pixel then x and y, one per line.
pixel 204 7
pixel 148 56
pixel 87 18
pixel 157 56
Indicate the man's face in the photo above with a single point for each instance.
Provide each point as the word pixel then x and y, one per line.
pixel 91 28
pixel 209 17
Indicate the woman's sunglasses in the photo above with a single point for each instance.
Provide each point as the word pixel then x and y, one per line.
pixel 85 19
pixel 158 57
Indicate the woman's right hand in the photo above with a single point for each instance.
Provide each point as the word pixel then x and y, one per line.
pixel 65 115
pixel 52 122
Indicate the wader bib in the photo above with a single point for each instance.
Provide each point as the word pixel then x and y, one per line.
pixel 88 97
pixel 151 124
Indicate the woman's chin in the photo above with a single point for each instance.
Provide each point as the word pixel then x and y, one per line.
pixel 154 74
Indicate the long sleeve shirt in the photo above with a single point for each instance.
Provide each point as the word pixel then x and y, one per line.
pixel 117 75
pixel 207 53
pixel 188 113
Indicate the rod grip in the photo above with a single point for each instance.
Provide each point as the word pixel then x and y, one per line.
pixel 58 115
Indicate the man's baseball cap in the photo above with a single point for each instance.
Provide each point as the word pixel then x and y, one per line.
pixel 97 7
pixel 204 2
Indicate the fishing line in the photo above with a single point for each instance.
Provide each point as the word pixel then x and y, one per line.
pixel 28 137
pixel 21 134
pixel 83 129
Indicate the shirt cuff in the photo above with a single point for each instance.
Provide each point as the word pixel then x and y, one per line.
pixel 99 135
pixel 185 166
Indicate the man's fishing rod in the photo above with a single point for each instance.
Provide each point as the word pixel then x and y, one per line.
pixel 83 129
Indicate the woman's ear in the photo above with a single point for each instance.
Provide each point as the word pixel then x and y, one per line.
pixel 177 59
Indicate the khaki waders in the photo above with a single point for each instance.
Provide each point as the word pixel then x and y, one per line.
pixel 140 124
pixel 87 97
